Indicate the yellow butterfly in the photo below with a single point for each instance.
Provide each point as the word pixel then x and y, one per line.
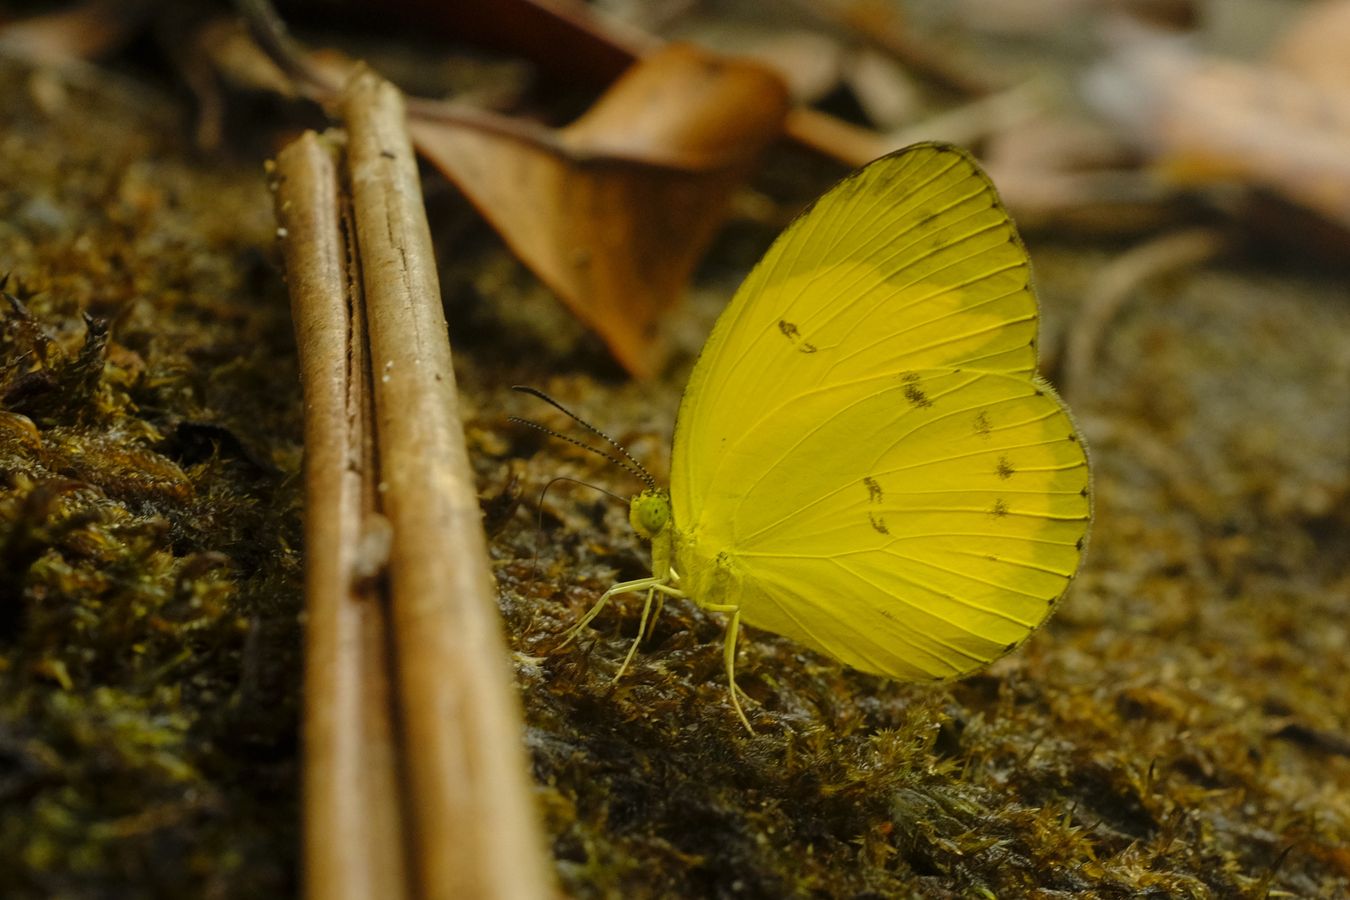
pixel 865 459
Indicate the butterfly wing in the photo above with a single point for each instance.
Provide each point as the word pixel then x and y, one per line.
pixel 909 263
pixel 864 450
pixel 920 525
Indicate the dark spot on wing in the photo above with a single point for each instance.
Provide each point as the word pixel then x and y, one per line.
pixel 1005 468
pixel 982 425
pixel 874 496
pixel 913 393
pixel 1000 509
pixel 873 489
pixel 793 334
pixel 1010 648
pixel 1078 545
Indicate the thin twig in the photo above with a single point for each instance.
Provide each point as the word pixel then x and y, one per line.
pixel 475 832
pixel 975 120
pixel 883 26
pixel 354 845
pixel 853 145
pixel 1114 287
pixel 272 35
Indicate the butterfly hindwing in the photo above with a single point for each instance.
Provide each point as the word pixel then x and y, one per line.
pixel 916 526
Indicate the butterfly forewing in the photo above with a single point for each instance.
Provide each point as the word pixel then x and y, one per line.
pixel 909 263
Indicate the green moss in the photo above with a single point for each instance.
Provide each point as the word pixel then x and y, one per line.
pixel 148 521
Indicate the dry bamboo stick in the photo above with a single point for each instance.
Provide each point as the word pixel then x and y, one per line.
pixel 354 845
pixel 474 827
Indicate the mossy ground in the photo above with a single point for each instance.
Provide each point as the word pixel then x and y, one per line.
pixel 149 509
pixel 1179 729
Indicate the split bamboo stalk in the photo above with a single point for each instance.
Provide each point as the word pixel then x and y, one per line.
pixel 473 823
pixel 353 845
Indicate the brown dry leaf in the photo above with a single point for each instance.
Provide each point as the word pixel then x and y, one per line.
pixel 1209 120
pixel 569 36
pixel 562 37
pixel 614 211
pixel 579 41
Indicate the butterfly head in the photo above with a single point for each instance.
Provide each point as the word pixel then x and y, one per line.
pixel 649 513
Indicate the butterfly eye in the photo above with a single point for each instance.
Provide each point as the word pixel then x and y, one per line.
pixel 649 513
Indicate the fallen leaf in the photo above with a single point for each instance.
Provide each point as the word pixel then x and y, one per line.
pixel 614 211
pixel 562 37
pixel 575 40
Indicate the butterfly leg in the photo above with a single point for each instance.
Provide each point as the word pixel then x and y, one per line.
pixel 660 605
pixel 655 588
pixel 656 612
pixel 651 611
pixel 623 587
pixel 642 628
pixel 729 655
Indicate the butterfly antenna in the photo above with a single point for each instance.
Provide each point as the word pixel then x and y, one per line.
pixel 632 466
pixel 640 475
